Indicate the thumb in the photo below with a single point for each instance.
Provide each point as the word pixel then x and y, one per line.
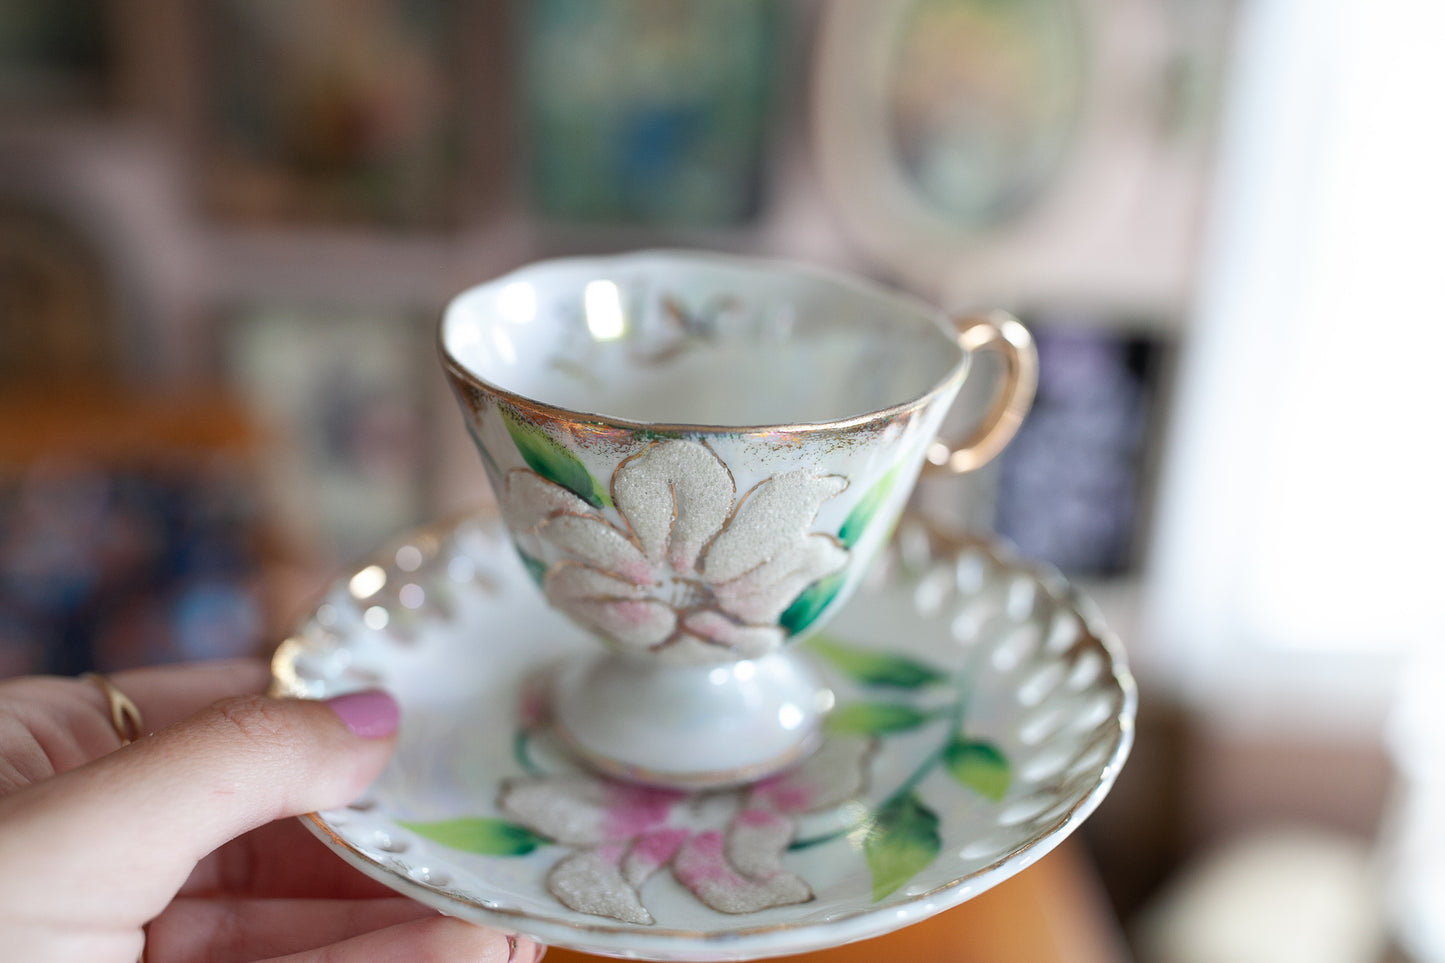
pixel 121 834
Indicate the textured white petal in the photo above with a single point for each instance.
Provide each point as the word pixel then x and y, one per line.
pixel 630 624
pixel 573 809
pixel 740 641
pixel 575 582
pixel 691 650
pixel 577 809
pixel 763 594
pixel 755 842
pixel 593 540
pixel 834 774
pixel 589 882
pixel 770 518
pixel 530 500
pixel 675 495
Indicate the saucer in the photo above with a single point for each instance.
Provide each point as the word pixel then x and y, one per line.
pixel 981 713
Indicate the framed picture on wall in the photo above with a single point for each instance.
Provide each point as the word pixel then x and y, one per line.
pixel 340 393
pixel 987 151
pixel 1075 484
pixel 330 111
pixel 652 112
pixel 55 55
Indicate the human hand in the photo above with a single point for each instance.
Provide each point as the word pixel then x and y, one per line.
pixel 169 849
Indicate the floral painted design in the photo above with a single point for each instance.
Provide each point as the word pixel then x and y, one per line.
pixel 726 848
pixel 670 560
pixel 729 848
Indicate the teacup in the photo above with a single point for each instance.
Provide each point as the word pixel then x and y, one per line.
pixel 697 457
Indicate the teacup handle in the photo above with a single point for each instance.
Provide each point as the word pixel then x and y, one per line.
pixel 1003 334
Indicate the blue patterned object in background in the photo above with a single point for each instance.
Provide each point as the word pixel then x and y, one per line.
pixel 1074 480
pixel 648 111
pixel 104 568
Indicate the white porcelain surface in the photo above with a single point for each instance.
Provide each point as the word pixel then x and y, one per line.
pixel 698 456
pixel 691 726
pixel 699 339
pixel 982 713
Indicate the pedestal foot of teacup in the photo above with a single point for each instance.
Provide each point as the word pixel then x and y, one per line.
pixel 690 727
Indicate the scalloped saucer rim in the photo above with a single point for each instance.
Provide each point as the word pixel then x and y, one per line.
pixel 1059 712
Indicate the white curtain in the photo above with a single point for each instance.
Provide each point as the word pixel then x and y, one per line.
pixel 1300 533
pixel 1298 563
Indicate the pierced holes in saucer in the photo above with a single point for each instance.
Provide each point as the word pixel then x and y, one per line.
pixel 363 805
pixel 1015 648
pixel 1027 809
pixel 1093 713
pixel 322 657
pixel 428 876
pixel 932 591
pixel 990 846
pixel 1039 684
pixel 1086 671
pixel 1064 631
pixel 1046 764
pixel 1091 760
pixel 914 547
pixel 1022 595
pixel 965 626
pixel 388 843
pixel 970 572
pixel 1040 725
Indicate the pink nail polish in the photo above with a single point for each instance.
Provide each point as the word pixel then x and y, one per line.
pixel 371 714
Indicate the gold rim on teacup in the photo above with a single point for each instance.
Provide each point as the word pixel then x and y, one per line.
pixel 697 456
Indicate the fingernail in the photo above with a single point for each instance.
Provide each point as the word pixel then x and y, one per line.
pixel 372 714
pixel 514 944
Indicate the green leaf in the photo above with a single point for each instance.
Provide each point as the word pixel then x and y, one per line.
pixel 863 512
pixel 876 668
pixel 980 766
pixel 552 461
pixel 535 567
pixel 901 840
pixel 485 837
pixel 813 601
pixel 875 718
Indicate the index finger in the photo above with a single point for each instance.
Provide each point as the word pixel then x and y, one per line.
pixel 167 694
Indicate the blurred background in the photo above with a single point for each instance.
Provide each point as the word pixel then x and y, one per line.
pixel 227 229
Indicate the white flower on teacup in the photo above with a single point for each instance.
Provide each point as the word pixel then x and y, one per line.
pixel 693 572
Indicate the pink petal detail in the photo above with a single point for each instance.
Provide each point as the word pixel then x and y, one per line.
pixel 743 641
pixel 633 810
pixel 631 625
pixel 634 623
pixel 684 648
pixel 577 809
pixel 650 853
pixel 701 866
